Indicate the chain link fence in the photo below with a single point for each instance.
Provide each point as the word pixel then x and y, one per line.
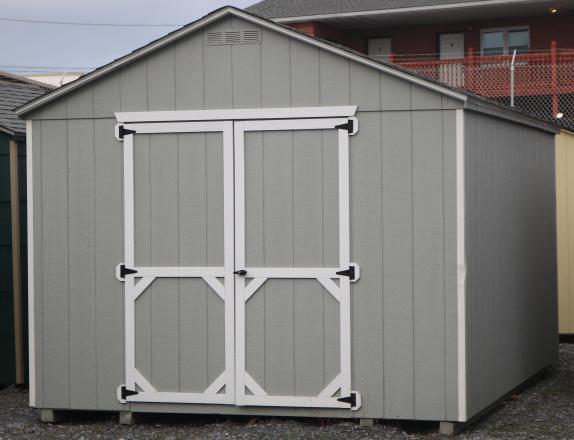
pixel 541 83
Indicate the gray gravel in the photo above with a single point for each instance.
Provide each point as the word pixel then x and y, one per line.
pixel 544 411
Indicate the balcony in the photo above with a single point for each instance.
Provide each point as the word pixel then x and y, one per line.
pixel 540 82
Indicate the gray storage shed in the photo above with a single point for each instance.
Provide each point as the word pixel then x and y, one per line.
pixel 241 219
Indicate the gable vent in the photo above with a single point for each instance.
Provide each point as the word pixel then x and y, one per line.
pixel 233 37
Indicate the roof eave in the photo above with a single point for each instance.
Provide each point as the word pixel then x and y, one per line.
pixel 26 80
pixel 358 14
pixel 509 114
pixel 7 131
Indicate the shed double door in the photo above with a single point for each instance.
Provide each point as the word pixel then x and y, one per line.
pixel 235 232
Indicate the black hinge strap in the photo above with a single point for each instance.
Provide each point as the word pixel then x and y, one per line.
pixel 346 126
pixel 350 272
pixel 126 271
pixel 351 399
pixel 124 131
pixel 126 393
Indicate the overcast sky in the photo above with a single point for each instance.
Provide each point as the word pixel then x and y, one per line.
pixel 47 45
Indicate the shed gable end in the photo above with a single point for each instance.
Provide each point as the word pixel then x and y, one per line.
pixel 234 63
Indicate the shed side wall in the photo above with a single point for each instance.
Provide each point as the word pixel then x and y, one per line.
pixel 565 229
pixel 403 217
pixel 511 256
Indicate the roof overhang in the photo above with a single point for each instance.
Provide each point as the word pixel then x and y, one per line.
pixel 445 13
pixel 7 131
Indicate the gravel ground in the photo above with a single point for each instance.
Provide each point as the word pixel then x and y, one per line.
pixel 543 411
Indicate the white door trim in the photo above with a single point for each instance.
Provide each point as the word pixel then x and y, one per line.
pixel 233 124
pixel 237 114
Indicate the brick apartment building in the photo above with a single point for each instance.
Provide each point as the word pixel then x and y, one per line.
pixel 465 43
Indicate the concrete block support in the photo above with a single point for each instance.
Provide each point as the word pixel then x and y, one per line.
pixel 128 418
pixel 52 415
pixel 451 428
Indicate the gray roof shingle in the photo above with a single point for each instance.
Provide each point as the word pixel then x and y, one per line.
pixel 300 8
pixel 15 91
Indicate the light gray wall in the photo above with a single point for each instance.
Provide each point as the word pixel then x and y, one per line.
pixel 511 256
pixel 402 219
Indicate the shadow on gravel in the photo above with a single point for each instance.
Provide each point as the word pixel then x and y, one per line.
pixel 545 410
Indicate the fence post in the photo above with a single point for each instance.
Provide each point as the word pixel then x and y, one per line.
pixel 512 79
pixel 554 77
pixel 470 69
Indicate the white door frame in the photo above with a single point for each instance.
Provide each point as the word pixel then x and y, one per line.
pixel 259 275
pixel 137 388
pixel 233 124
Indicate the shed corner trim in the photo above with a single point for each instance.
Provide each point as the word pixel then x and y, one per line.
pixel 461 267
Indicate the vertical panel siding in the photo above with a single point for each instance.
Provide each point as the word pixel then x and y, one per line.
pixel 428 264
pixel 511 256
pixel 218 73
pixel 109 252
pixel 401 193
pixel 82 280
pixel 398 335
pixel 193 319
pixel 133 87
pixel 246 59
pixel 565 229
pixel 54 252
pixel 164 245
pixel 366 250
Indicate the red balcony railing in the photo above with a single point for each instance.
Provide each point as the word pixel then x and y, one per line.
pixel 543 81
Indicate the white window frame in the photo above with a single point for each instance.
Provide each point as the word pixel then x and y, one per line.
pixel 505 31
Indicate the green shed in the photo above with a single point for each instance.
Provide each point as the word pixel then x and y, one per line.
pixel 14 91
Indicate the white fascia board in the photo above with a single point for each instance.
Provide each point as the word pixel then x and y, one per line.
pixel 237 114
pixel 358 14
pixel 248 17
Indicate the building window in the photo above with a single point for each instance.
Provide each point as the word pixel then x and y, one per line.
pixel 505 41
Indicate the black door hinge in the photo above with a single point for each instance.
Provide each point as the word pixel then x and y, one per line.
pixel 349 126
pixel 126 393
pixel 351 400
pixel 124 131
pixel 350 272
pixel 126 271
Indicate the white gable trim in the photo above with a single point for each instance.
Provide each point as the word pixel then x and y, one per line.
pixel 64 90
